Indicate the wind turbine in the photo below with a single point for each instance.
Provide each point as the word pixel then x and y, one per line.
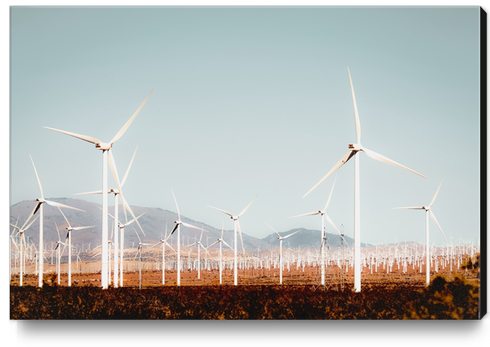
pixel 21 245
pixel 105 148
pixel 353 150
pixel 236 226
pixel 116 214
pixel 323 214
pixel 39 206
pixel 121 227
pixel 220 252
pixel 69 229
pixel 428 211
pixel 178 223
pixel 140 245
pixel 164 242
pixel 280 238
pixel 199 245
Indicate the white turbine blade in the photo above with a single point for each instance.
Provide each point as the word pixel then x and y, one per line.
pixel 435 220
pixel 202 230
pixel 64 217
pixel 341 162
pixel 113 167
pixel 57 204
pixel 226 212
pixel 134 219
pixel 204 248
pixel 285 237
pixel 195 243
pixel 78 136
pixel 27 227
pixel 178 212
pixel 38 181
pixel 190 226
pixel 227 245
pixel 32 214
pixel 307 214
pixel 81 228
pixel 240 233
pixel 409 208
pixel 382 158
pixel 327 218
pixel 356 114
pixel 274 230
pixel 247 206
pixel 437 192
pixel 129 167
pixel 87 193
pixel 330 196
pixel 126 205
pixel 213 243
pixel 171 247
pixel 128 123
pixel 137 234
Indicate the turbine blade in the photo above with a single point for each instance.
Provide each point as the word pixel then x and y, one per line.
pixel 341 162
pixel 274 230
pixel 307 214
pixel 64 217
pixel 285 237
pixel 132 214
pixel 228 245
pixel 435 220
pixel 327 218
pixel 27 227
pixel 356 113
pixel 78 136
pixel 240 233
pixel 213 244
pixel 38 181
pixel 133 220
pixel 226 212
pixel 247 206
pixel 382 158
pixel 409 208
pixel 175 228
pixel 81 228
pixel 87 193
pixel 128 123
pixel 437 192
pixel 190 226
pixel 171 247
pixel 129 167
pixel 32 214
pixel 57 204
pixel 330 196
pixel 178 212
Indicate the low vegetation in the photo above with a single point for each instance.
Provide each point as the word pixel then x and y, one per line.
pixel 443 299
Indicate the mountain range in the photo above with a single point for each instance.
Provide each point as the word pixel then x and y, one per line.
pixel 154 223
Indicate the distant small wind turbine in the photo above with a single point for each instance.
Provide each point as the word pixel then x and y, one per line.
pixel 237 226
pixel 199 245
pixel 220 252
pixel 353 150
pixel 20 232
pixel 280 238
pixel 428 211
pixel 178 223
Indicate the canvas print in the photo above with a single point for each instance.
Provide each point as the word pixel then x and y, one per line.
pixel 280 163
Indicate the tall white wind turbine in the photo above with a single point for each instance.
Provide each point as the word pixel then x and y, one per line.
pixel 39 206
pixel 105 148
pixel 69 229
pixel 199 245
pixel 115 191
pixel 353 150
pixel 428 211
pixel 280 238
pixel 164 242
pixel 237 226
pixel 178 223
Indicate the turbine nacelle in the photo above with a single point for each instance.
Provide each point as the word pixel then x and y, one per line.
pixel 355 147
pixel 103 146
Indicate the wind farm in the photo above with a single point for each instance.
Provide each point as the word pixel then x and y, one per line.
pixel 260 131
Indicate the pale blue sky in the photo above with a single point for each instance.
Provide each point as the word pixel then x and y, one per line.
pixel 255 100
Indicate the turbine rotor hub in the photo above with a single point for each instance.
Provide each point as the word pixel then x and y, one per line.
pixel 103 146
pixel 355 147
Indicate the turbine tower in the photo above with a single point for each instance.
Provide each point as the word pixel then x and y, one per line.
pixel 428 211
pixel 355 148
pixel 105 148
pixel 280 238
